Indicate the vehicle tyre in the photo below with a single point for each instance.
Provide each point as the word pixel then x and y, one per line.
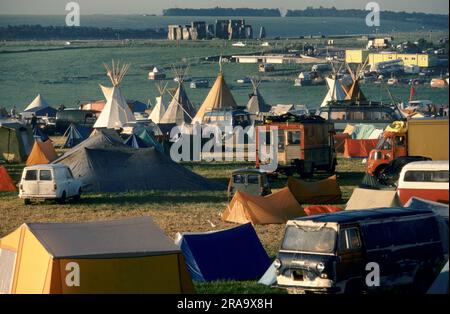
pixel 423 280
pixel 62 199
pixel 27 201
pixel 78 196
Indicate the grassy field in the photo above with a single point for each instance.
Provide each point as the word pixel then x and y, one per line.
pixel 172 211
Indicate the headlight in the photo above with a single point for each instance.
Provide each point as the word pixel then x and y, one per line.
pixel 320 267
pixel 277 263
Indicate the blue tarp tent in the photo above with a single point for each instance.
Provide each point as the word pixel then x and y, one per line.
pixel 136 142
pixel 39 134
pixel 420 203
pixel 76 134
pixel 231 254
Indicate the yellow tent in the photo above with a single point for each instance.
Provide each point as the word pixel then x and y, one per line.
pixel 122 256
pixel 42 153
pixel 325 191
pixel 370 199
pixel 275 208
pixel 219 98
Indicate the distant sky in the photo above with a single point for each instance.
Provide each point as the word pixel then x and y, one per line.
pixel 155 7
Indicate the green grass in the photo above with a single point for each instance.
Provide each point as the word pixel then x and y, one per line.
pixel 172 211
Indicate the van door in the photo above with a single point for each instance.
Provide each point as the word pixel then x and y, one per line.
pixel 45 182
pixel 351 254
pixel 30 183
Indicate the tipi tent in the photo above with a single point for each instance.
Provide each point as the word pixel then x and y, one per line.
pixel 38 102
pixel 325 191
pixel 370 199
pixel 354 92
pixel 15 141
pixel 42 153
pixel 256 104
pixel 75 134
pixel 180 110
pixel 130 255
pixel 104 163
pixel 335 91
pixel 160 108
pixel 116 112
pixel 219 98
pixel 6 183
pixel 231 254
pixel 271 209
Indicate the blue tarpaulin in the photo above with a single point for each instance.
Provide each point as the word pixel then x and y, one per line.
pixel 39 134
pixel 231 254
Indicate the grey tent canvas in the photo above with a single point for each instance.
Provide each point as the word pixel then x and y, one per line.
pixel 104 164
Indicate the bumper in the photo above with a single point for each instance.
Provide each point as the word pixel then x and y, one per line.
pixel 318 290
pixel 37 197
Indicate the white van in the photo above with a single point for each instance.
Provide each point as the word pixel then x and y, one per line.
pixel 425 179
pixel 48 182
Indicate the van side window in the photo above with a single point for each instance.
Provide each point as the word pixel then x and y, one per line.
pixel 31 175
pixel 349 239
pixel 294 137
pixel 426 176
pixel 45 175
pixel 253 179
pixel 238 178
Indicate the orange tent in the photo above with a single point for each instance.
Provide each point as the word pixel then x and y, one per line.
pixel 321 209
pixel 271 209
pixel 339 141
pixel 6 183
pixel 358 148
pixel 42 153
pixel 320 192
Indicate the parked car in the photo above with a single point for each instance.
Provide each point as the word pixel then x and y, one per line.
pixel 330 252
pixel 251 181
pixel 424 179
pixel 53 181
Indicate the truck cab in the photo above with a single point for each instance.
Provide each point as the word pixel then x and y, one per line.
pixel 390 146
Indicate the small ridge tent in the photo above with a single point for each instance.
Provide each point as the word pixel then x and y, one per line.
pixel 42 153
pixel 104 164
pixel 370 199
pixel 15 141
pixel 130 255
pixel 256 103
pixel 116 113
pixel 231 254
pixel 271 209
pixel 75 134
pixel 6 183
pixel 325 191
pixel 150 140
pixel 218 98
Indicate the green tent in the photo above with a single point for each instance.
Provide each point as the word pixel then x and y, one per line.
pixel 150 140
pixel 16 141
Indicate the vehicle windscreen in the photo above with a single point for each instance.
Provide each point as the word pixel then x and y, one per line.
pixel 309 239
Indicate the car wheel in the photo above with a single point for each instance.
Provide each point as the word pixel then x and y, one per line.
pixel 62 199
pixel 78 196
pixel 27 201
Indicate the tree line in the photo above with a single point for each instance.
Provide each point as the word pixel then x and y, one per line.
pixel 38 32
pixel 222 12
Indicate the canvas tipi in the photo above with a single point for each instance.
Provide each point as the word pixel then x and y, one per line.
pixel 219 98
pixel 335 90
pixel 354 92
pixel 116 112
pixel 256 104
pixel 180 109
pixel 160 108
pixel 38 102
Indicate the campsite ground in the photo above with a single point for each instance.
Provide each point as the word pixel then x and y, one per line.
pixel 172 211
